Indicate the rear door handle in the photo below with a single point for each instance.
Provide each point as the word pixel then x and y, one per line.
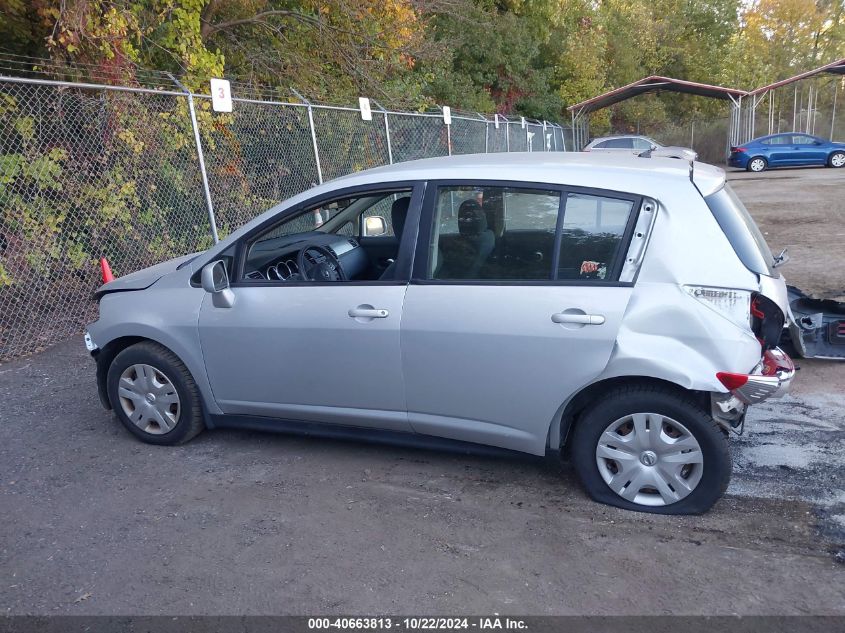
pixel 582 319
pixel 368 313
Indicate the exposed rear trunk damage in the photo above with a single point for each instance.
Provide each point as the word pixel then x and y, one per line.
pixel 816 326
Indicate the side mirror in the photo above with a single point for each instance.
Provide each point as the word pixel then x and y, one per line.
pixel 215 281
pixel 374 226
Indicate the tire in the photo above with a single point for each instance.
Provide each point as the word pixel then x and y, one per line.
pixel 837 159
pixel 687 488
pixel 148 383
pixel 757 164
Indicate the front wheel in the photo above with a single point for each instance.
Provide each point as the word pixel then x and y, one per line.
pixel 653 450
pixel 837 159
pixel 757 164
pixel 154 395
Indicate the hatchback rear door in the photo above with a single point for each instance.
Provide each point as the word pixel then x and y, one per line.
pixel 514 305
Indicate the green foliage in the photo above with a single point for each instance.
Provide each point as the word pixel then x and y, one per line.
pixel 528 57
pixel 50 180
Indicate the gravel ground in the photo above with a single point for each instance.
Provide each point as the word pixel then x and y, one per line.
pixel 802 209
pixel 94 522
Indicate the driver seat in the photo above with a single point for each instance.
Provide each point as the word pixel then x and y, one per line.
pixel 398 215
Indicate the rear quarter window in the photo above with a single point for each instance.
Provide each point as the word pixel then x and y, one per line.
pixel 741 230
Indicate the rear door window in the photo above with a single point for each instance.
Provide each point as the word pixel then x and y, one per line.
pixel 492 232
pixel 592 236
pixel 620 143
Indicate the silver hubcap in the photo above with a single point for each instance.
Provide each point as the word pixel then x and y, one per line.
pixel 649 459
pixel 838 160
pixel 757 165
pixel 149 399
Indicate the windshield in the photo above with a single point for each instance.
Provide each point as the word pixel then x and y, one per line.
pixel 741 230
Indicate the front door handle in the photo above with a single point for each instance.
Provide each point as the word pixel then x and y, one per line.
pixel 368 312
pixel 581 319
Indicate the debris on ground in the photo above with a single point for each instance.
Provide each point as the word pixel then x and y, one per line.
pixel 816 326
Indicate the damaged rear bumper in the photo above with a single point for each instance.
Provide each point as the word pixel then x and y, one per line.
pixel 816 326
pixel 771 378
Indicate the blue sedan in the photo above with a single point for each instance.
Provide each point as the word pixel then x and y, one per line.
pixel 783 150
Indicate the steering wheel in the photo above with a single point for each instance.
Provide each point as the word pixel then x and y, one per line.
pixel 318 263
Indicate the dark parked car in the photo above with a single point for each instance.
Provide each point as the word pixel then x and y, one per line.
pixel 790 149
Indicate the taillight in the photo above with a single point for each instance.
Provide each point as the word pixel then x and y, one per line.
pixel 732 381
pixel 766 320
pixel 739 150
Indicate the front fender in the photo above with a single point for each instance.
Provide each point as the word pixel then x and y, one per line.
pixel 138 314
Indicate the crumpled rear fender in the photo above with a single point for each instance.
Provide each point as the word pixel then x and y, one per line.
pixel 667 334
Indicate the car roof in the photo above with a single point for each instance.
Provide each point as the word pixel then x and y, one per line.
pixel 607 138
pixel 763 138
pixel 626 173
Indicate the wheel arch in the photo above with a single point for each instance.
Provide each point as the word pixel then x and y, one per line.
pixel 106 355
pixel 560 432
pixel 832 153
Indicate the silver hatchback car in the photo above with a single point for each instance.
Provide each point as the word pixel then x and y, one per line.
pixel 620 311
pixel 636 145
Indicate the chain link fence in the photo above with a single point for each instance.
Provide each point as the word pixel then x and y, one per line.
pixel 90 170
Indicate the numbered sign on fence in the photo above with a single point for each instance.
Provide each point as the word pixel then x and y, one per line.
pixel 221 95
pixel 366 112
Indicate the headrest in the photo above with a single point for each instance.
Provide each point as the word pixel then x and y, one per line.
pixel 398 214
pixel 472 221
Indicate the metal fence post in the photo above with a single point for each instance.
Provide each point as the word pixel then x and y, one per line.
pixel 313 134
pixel 507 134
pixel 386 132
pixel 486 132
pixel 448 135
pixel 211 219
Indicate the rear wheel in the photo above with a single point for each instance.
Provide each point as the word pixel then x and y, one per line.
pixel 154 395
pixel 653 450
pixel 757 164
pixel 837 159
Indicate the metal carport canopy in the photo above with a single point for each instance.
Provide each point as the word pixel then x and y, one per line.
pixel 833 68
pixel 653 84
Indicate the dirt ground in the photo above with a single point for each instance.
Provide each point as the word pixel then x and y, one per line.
pixel 802 209
pixel 94 522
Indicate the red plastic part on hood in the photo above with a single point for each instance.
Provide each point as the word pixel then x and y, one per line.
pixel 732 381
pixel 107 274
